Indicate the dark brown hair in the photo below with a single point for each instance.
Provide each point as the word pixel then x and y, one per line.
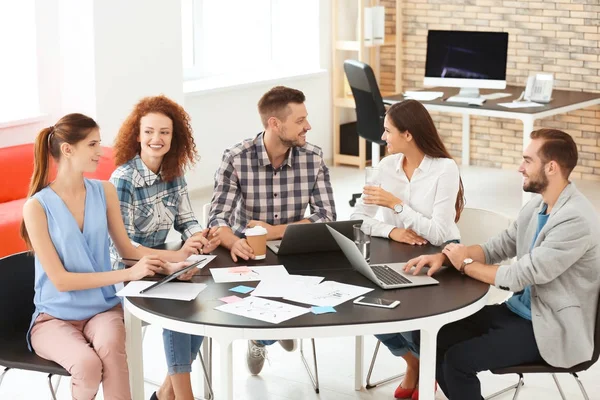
pixel 71 129
pixel 274 103
pixel 558 146
pixel 410 115
pixel 183 151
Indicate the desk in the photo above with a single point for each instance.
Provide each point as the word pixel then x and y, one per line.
pixel 562 102
pixel 426 308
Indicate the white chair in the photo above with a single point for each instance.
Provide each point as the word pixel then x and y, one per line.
pixel 476 226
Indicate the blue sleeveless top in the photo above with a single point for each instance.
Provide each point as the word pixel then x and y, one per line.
pixel 86 251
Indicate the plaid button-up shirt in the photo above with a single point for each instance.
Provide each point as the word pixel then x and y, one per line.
pixel 247 187
pixel 151 206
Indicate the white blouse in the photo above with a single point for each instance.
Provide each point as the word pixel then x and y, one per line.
pixel 428 198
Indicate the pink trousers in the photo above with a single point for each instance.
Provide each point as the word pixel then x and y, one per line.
pixel 92 350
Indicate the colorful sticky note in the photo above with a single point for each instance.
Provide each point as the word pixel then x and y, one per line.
pixel 231 299
pixel 240 270
pixel 322 310
pixel 242 289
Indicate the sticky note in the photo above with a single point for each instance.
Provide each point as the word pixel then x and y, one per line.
pixel 242 289
pixel 240 270
pixel 231 299
pixel 322 310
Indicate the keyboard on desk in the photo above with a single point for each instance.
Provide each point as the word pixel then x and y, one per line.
pixel 388 276
pixel 469 100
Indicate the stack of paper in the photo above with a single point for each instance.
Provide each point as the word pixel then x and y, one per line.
pixel 285 286
pixel 263 309
pixel 520 104
pixel 171 290
pixel 422 95
pixel 328 293
pixel 248 274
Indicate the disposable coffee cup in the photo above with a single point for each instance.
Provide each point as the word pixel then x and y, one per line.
pixel 257 239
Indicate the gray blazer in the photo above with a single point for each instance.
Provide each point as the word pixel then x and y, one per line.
pixel 563 269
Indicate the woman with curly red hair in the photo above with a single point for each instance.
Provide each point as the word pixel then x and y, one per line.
pixel 154 148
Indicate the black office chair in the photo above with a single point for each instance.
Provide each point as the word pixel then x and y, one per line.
pixel 370 111
pixel 16 300
pixel 544 368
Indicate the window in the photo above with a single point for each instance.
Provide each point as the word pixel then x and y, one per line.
pixel 18 69
pixel 240 36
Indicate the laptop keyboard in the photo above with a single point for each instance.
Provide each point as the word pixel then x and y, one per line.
pixel 388 276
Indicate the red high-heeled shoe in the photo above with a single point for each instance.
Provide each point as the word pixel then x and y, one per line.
pixel 403 393
pixel 415 395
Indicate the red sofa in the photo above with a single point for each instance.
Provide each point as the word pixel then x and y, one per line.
pixel 16 168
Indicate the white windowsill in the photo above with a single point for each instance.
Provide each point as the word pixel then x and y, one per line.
pixel 23 121
pixel 224 83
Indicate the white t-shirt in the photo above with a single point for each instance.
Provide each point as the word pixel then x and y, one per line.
pixel 429 199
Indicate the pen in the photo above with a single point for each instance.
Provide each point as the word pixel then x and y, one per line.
pixel 129 259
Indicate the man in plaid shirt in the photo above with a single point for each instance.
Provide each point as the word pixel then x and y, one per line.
pixel 269 181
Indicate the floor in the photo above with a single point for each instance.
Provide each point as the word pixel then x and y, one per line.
pixel 284 377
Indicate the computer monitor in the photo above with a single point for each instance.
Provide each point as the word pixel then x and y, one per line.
pixel 468 60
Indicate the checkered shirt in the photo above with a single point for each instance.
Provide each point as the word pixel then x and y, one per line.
pixel 150 206
pixel 247 187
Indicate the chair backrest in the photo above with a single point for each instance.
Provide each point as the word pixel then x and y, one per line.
pixel 596 353
pixel 370 111
pixel 477 225
pixel 16 294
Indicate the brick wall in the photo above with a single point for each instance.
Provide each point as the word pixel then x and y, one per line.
pixel 557 36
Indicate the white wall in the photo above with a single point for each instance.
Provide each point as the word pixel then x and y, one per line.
pixel 136 52
pixel 222 119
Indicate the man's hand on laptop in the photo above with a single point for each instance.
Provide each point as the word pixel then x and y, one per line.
pixel 241 249
pixel 274 232
pixel 433 261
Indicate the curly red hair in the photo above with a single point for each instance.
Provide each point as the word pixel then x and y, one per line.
pixel 183 153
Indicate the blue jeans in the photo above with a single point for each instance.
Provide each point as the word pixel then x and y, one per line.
pixel 399 343
pixel 180 350
pixel 265 342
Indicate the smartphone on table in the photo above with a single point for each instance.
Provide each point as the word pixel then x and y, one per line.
pixel 376 302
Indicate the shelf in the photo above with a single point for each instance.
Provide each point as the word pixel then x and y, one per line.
pixel 348 101
pixel 354 45
pixel 346 159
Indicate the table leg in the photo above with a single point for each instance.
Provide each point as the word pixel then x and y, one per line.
pixel 226 366
pixel 207 354
pixel 359 350
pixel 133 343
pixel 427 364
pixel 466 139
pixel 527 129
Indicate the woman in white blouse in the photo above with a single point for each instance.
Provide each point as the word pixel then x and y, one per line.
pixel 420 201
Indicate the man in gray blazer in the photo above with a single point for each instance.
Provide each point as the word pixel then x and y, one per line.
pixel 556 278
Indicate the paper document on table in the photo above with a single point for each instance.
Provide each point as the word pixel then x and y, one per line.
pixel 263 309
pixel 422 95
pixel 171 290
pixel 197 257
pixel 520 104
pixel 247 274
pixel 328 293
pixel 495 96
pixel 284 286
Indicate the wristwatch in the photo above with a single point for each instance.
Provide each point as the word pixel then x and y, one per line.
pixel 398 208
pixel 466 262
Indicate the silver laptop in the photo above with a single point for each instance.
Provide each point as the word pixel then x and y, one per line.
pixel 386 276
pixel 310 238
